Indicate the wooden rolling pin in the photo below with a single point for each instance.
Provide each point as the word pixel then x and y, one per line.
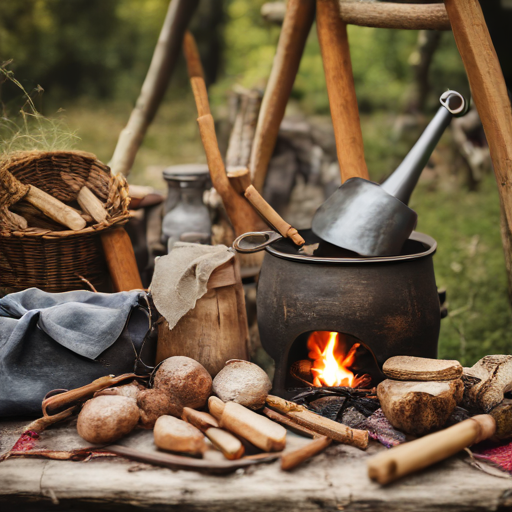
pixel 271 217
pixel 407 458
pixel 333 39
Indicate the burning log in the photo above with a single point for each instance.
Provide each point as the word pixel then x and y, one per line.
pixel 292 459
pixel 260 431
pixel 336 431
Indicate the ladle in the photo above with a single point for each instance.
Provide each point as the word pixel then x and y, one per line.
pixel 372 219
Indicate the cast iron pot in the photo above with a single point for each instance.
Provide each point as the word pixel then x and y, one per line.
pixel 390 304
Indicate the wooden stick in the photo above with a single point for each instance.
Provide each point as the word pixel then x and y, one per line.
pixel 489 93
pixel 120 259
pixel 289 423
pixel 272 217
pixel 240 179
pixel 260 431
pixel 294 33
pixel 333 39
pixel 241 215
pixel 332 429
pixel 227 443
pixel 394 15
pixel 407 458
pixel 155 84
pixel 60 400
pixel 201 420
pixel 292 459
pixel 196 74
pixel 91 205
pixel 55 209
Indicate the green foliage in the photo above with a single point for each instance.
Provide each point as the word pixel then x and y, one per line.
pixel 470 264
pixel 380 61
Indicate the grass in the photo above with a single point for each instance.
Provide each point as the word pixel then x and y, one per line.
pixel 469 262
pixel 172 138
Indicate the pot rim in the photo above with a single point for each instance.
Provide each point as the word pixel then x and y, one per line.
pixel 415 235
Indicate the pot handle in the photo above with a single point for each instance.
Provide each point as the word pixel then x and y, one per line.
pixel 255 241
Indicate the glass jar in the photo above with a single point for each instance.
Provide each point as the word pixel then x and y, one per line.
pixel 186 217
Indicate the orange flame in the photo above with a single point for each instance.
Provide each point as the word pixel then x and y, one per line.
pixel 330 364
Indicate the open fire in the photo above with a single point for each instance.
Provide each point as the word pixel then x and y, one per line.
pixel 329 362
pixel 331 366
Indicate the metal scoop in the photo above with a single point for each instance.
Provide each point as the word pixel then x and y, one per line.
pixel 372 219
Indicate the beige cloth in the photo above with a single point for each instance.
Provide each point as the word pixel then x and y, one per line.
pixel 181 277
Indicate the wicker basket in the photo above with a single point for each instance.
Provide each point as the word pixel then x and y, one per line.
pixel 57 261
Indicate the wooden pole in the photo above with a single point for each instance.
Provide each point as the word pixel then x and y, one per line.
pixel 296 26
pixel 155 84
pixel 491 99
pixel 333 39
pixel 394 15
pixel 240 213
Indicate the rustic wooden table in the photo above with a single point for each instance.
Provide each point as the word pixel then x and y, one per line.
pixel 335 480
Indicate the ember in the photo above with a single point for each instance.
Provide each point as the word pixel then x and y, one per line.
pixel 330 364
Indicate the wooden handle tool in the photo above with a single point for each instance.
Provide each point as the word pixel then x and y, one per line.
pixel 324 426
pixel 242 216
pixel 407 458
pixel 240 179
pixel 333 39
pixel 489 93
pixel 294 33
pixel 292 459
pixel 68 398
pixel 272 217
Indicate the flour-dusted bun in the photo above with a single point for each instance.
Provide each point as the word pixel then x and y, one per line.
pixel 154 403
pixel 106 419
pixel 242 382
pixel 185 379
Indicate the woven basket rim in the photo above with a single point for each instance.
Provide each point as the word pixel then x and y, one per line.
pixel 117 184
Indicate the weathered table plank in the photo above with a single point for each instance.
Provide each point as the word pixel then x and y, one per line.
pixel 334 480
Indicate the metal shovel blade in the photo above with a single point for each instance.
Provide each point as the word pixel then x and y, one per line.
pixel 362 217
